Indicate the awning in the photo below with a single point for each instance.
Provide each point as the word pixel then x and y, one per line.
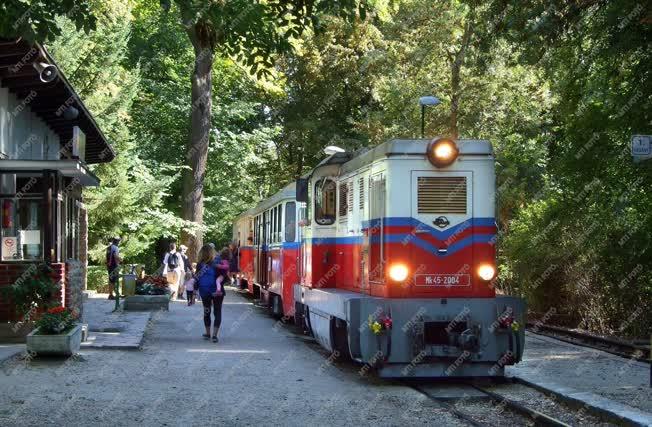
pixel 48 99
pixel 69 168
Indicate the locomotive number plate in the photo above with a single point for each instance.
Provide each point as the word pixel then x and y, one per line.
pixel 446 280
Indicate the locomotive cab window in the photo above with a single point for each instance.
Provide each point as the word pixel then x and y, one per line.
pixel 325 195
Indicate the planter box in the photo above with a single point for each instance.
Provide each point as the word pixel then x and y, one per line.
pixel 55 345
pixel 147 303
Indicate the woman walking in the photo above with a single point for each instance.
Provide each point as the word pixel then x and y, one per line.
pixel 211 295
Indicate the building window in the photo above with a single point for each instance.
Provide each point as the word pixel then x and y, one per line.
pixel 325 201
pixel 22 229
pixel 290 221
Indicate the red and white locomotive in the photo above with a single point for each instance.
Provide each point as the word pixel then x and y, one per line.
pixel 388 256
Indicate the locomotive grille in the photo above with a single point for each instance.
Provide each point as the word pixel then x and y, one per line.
pixel 350 195
pixel 441 195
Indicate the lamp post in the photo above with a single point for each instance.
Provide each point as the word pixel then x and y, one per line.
pixel 423 101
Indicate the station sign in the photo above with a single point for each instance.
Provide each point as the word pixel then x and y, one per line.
pixel 641 147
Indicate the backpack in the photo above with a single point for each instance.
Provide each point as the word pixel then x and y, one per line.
pixel 109 255
pixel 173 261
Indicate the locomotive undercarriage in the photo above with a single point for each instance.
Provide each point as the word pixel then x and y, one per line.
pixel 442 337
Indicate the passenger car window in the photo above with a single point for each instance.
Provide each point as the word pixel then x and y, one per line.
pixel 290 221
pixel 325 201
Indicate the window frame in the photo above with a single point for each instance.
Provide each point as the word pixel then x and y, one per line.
pixel 290 207
pixel 320 217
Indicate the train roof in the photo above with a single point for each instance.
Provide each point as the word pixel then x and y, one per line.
pixel 286 193
pixel 351 161
pixel 406 147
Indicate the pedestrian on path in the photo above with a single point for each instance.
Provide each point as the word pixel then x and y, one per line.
pixel 187 267
pixel 113 261
pixel 211 295
pixel 173 270
pixel 233 262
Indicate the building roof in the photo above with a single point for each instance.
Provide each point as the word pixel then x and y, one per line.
pixel 18 74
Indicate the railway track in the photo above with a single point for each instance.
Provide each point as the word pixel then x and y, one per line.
pixel 610 345
pixel 502 403
pixel 495 408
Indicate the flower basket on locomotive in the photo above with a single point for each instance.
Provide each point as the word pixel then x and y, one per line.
pixel 388 255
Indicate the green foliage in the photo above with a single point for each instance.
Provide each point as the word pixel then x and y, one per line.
pixel 33 290
pixel 56 320
pixel 595 203
pixel 37 19
pixel 131 200
pixel 97 278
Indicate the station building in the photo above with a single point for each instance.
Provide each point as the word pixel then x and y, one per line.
pixel 48 139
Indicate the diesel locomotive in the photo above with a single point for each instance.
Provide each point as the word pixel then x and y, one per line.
pixel 387 256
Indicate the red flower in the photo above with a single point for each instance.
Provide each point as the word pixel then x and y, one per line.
pixel 57 310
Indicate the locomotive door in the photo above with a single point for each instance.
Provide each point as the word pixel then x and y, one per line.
pixel 363 218
pixel 261 276
pixel 376 271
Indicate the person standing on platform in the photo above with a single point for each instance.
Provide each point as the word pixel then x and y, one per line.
pixel 174 271
pixel 233 263
pixel 210 293
pixel 113 262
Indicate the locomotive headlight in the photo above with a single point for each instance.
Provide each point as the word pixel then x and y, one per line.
pixel 486 272
pixel 442 152
pixel 398 272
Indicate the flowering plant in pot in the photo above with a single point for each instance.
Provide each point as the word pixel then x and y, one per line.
pixel 55 320
pixel 57 333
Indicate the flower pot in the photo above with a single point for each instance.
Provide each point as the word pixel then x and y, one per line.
pixel 55 345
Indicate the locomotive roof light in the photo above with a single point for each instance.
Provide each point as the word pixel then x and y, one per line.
pixel 442 152
pixel 486 272
pixel 398 272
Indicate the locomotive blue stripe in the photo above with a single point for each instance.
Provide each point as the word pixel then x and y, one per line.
pixel 407 239
pixel 439 234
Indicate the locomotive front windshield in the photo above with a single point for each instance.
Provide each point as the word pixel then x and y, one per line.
pixel 325 201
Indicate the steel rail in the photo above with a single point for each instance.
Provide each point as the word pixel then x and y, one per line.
pixel 538 418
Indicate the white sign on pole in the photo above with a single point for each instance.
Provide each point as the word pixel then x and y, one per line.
pixel 642 147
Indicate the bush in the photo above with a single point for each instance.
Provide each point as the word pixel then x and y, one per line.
pixel 97 279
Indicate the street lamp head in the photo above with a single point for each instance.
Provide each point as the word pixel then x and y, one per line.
pixel 429 100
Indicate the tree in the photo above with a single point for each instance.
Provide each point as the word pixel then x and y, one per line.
pixel 129 201
pixel 252 32
pixel 37 19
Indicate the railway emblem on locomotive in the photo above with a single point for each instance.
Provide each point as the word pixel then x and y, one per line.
pixel 441 222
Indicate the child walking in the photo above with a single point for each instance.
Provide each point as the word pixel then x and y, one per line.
pixel 190 288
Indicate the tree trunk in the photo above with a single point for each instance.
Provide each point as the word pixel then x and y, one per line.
pixel 455 99
pixel 456 68
pixel 197 148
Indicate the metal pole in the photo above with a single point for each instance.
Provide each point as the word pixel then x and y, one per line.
pixel 423 121
pixel 117 293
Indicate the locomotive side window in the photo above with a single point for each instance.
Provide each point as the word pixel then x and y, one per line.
pixel 290 221
pixel 325 201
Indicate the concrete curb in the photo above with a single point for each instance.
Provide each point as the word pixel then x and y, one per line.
pixel 9 351
pixel 130 340
pixel 596 404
